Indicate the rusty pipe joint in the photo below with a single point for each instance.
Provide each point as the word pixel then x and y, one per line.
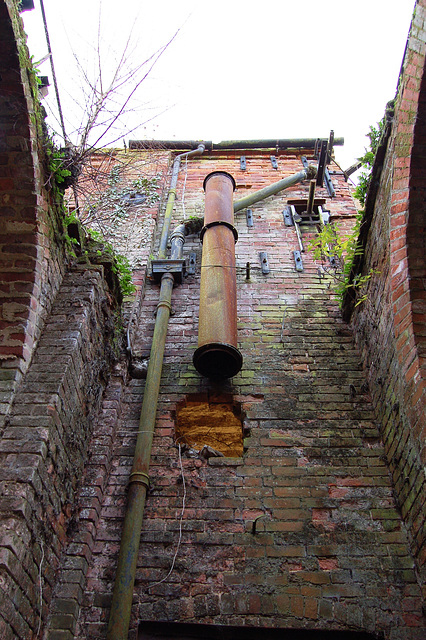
pixel 217 355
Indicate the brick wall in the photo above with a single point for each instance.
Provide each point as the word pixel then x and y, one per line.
pixel 31 248
pixel 390 327
pixel 302 531
pixel 44 447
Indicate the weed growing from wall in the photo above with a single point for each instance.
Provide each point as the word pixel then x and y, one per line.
pixel 58 173
pixel 367 160
pixel 336 251
pixel 119 263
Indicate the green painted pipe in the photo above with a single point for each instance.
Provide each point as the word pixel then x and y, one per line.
pixel 274 188
pixel 118 626
pixel 162 251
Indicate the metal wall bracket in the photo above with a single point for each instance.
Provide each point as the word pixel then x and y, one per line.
pixel 175 267
pixel 330 147
pixel 249 217
pixel 26 5
pixel 264 262
pixel 324 215
pixel 298 260
pixel 274 162
pixel 288 218
pixel 305 162
pixel 243 164
pixel 322 161
pixel 191 265
pixel 329 184
pixel 296 219
pixel 134 198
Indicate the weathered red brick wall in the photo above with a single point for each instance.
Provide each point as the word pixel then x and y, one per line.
pixel 44 446
pixel 31 249
pixel 390 327
pixel 302 531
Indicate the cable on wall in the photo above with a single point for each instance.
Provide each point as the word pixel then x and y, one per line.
pixel 183 189
pixel 180 523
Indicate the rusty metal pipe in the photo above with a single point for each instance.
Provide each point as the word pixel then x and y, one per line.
pixel 276 143
pixel 217 355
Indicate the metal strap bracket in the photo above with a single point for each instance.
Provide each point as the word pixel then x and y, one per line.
pixel 329 184
pixel 264 262
pixel 322 162
pixel 298 260
pixel 216 223
pixel 192 262
pixel 288 218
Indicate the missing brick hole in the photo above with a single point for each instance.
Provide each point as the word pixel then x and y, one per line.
pixel 213 423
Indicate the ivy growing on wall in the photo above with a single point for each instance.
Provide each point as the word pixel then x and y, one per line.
pixel 114 201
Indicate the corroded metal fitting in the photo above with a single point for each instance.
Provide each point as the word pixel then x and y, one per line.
pixel 138 477
pixel 311 172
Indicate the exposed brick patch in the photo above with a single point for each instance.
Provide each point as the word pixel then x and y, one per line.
pixel 200 423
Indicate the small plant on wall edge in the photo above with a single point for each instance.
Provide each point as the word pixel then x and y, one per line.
pixel 337 251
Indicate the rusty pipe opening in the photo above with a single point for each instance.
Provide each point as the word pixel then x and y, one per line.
pixel 217 355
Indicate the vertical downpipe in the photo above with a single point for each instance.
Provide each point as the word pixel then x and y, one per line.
pixel 217 355
pixel 118 626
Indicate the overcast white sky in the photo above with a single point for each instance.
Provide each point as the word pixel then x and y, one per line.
pixel 236 69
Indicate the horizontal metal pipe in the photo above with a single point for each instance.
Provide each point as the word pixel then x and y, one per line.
pixel 285 143
pixel 274 188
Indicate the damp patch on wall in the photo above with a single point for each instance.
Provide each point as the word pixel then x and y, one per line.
pixel 210 427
